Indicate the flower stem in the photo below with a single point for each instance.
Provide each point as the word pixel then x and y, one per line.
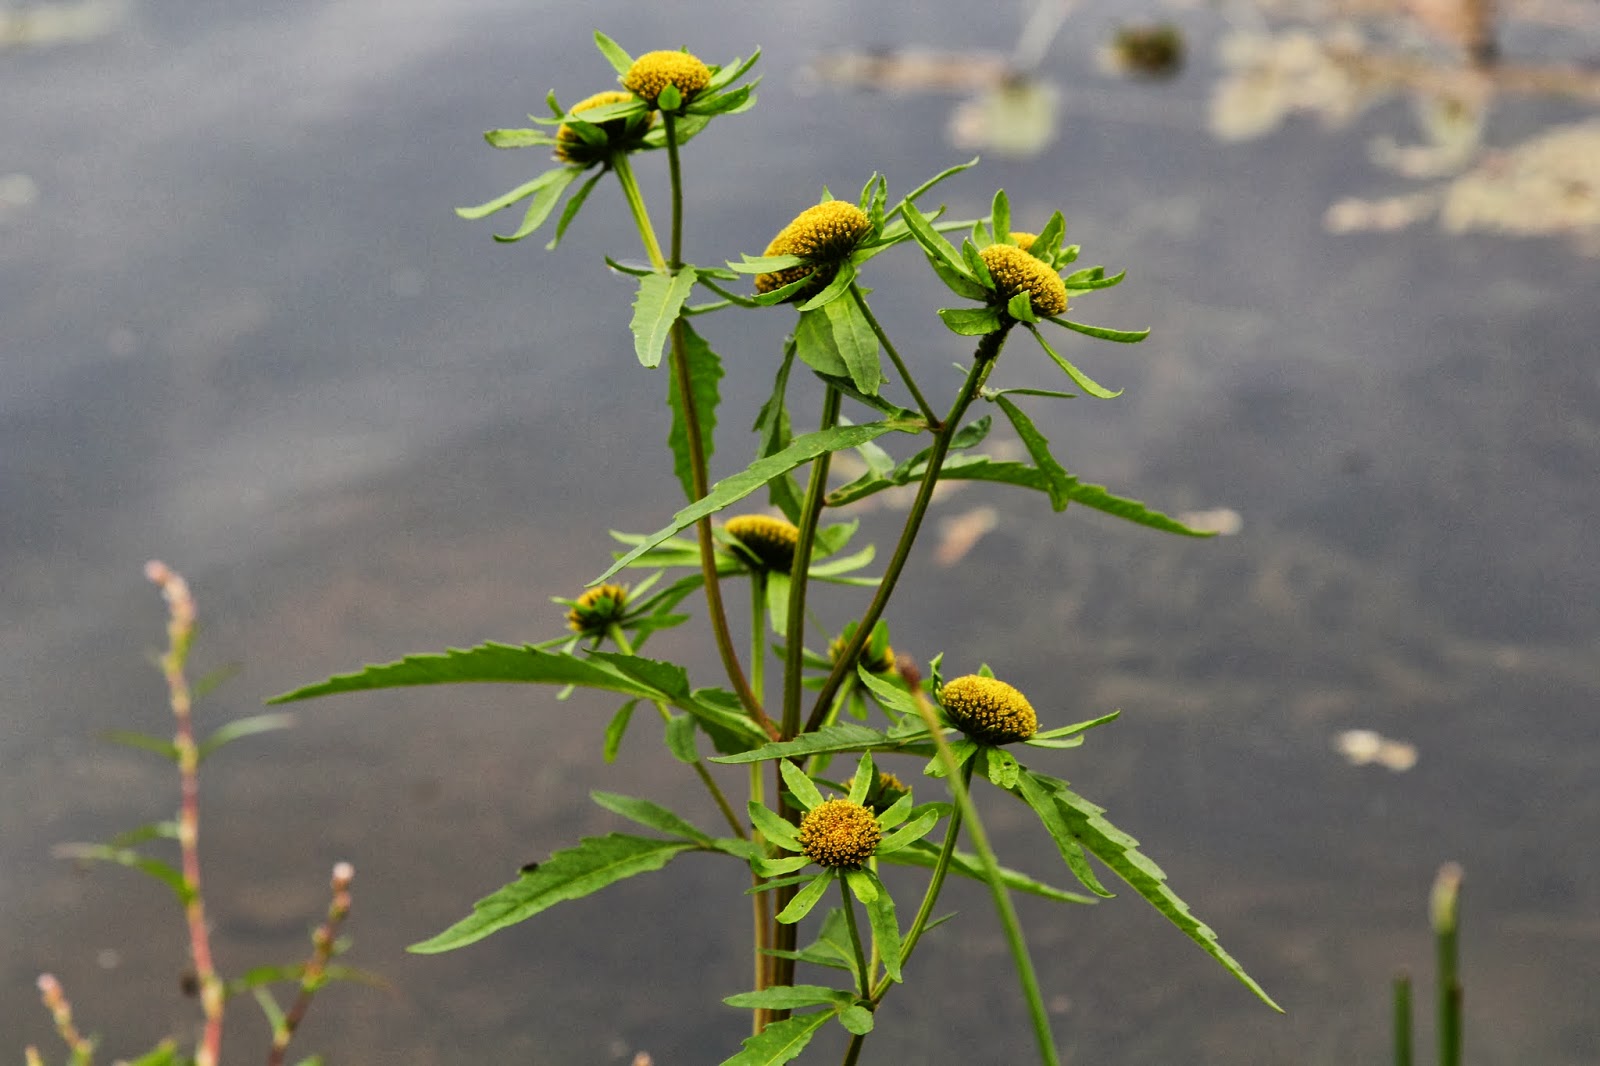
pixel 314 974
pixel 935 885
pixel 863 978
pixel 811 512
pixel 641 215
pixel 883 339
pixel 983 360
pixel 691 418
pixel 959 779
pixel 625 646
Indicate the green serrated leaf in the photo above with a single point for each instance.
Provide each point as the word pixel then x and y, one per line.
pixel 1120 853
pixel 732 489
pixel 655 309
pixel 856 343
pixel 543 202
pixel 780 1042
pixel 570 212
pixel 856 1019
pixel 680 738
pixel 568 874
pixel 925 854
pixel 616 728
pixel 244 727
pixel 1057 480
pixel 775 435
pixel 970 321
pixel 615 54
pixel 651 815
pixel 773 827
pixel 842 737
pixel 1082 380
pixel 885 927
pixel 789 997
pixel 806 898
pixel 1121 336
pixel 705 370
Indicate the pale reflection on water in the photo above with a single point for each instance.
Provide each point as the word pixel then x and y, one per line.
pixel 244 333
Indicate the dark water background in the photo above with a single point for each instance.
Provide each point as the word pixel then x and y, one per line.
pixel 243 333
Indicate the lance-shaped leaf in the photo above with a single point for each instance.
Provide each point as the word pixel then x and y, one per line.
pixel 1082 380
pixel 813 341
pixel 615 54
pixel 925 853
pixel 522 191
pixel 244 727
pixel 1057 480
pixel 543 202
pixel 655 309
pixel 736 487
pixel 651 815
pixel 844 736
pixel 780 1042
pixel 856 343
pixel 705 370
pixel 484 663
pixel 161 871
pixel 1120 852
pixel 1121 336
pixel 568 874
pixel 788 997
pixel 970 321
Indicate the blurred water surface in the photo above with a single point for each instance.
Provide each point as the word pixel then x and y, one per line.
pixel 244 333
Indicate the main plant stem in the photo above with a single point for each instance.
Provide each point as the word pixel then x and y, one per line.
pixel 683 382
pixel 982 362
pixel 180 631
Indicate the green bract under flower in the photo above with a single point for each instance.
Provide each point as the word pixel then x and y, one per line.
pixel 873 664
pixel 987 710
pixel 622 134
pixel 1015 270
pixel 654 71
pixel 825 235
pixel 598 609
pixel 839 833
pixel 771 540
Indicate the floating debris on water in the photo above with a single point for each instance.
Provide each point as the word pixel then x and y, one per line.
pixel 959 534
pixel 1223 521
pixel 44 25
pixel 1154 52
pixel 1361 747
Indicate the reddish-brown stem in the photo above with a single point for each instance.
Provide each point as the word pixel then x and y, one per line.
pixel 313 975
pixel 180 631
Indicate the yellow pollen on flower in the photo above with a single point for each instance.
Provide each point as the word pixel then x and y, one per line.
pixel 1014 271
pixel 571 148
pixel 839 832
pixel 597 609
pixel 654 71
pixel 826 234
pixel 988 711
pixel 771 540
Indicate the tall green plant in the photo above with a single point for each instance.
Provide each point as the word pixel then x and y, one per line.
pixel 803 836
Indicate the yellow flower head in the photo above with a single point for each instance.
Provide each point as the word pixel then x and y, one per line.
pixel 886 792
pixel 825 234
pixel 988 711
pixel 654 71
pixel 1014 271
pixel 1023 240
pixel 881 664
pixel 771 540
pixel 597 609
pixel 839 832
pixel 570 148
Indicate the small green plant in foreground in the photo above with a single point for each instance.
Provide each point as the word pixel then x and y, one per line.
pixel 205 980
pixel 802 834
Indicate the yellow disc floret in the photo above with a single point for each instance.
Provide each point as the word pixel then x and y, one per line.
pixel 839 832
pixel 571 148
pixel 988 711
pixel 598 609
pixel 1014 271
pixel 654 71
pixel 1023 240
pixel 771 540
pixel 825 235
